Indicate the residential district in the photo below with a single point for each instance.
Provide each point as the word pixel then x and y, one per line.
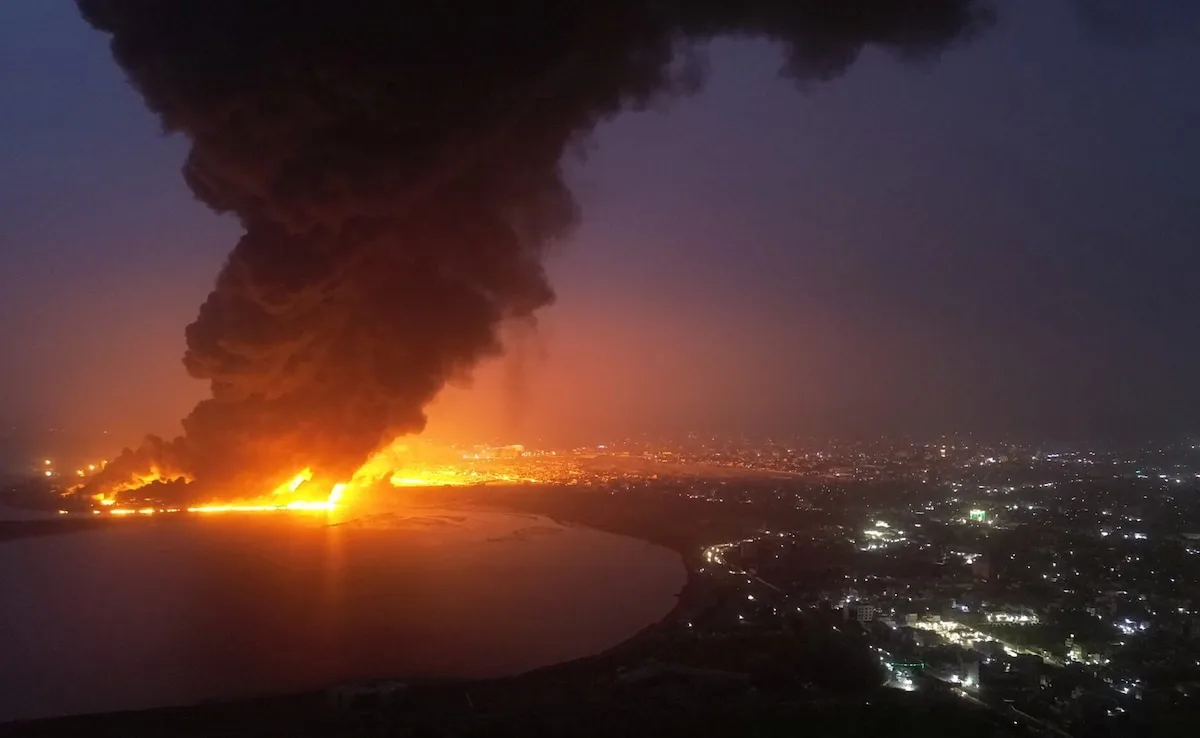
pixel 1054 590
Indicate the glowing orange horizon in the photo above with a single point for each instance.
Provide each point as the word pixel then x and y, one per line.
pixel 391 464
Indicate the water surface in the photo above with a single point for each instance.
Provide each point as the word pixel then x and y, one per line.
pixel 167 611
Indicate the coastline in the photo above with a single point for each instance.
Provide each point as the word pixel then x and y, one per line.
pixel 682 598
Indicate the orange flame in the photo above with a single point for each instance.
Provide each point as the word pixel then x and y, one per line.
pixel 396 464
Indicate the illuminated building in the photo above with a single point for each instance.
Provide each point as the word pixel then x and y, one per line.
pixel 1013 616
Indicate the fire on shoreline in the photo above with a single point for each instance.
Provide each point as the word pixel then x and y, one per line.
pixel 329 504
pixel 394 465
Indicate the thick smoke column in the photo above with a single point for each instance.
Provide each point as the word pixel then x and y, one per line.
pixel 397 169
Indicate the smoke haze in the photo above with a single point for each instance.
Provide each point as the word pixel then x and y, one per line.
pixel 397 171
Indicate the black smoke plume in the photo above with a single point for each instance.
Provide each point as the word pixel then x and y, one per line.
pixel 397 168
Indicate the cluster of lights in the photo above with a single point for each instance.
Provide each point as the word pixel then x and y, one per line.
pixel 880 535
pixel 968 558
pixel 901 673
pixel 1013 618
pixel 960 634
pixel 82 472
pixel 1129 627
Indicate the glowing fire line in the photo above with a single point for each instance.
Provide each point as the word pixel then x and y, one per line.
pixel 329 504
pixel 391 465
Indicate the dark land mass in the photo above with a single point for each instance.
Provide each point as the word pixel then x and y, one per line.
pixel 802 678
pixel 433 710
pixel 666 519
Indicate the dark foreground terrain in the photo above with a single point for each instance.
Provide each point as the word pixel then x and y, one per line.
pixel 663 709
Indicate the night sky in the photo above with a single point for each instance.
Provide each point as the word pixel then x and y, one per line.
pixel 1001 241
